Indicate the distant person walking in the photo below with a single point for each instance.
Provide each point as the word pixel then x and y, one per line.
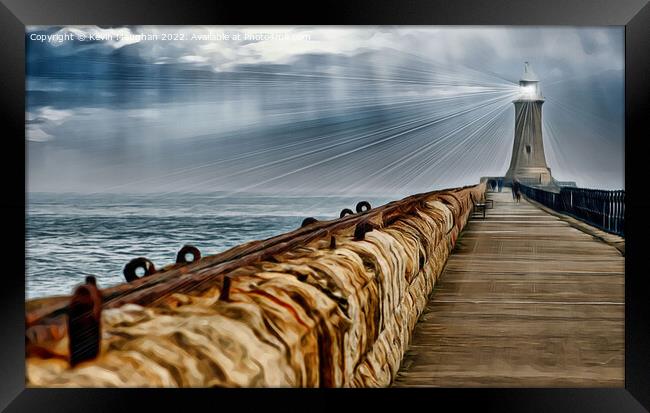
pixel 516 191
pixel 499 185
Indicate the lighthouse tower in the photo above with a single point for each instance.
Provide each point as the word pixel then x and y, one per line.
pixel 528 163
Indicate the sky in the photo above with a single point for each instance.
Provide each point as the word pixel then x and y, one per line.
pixel 313 110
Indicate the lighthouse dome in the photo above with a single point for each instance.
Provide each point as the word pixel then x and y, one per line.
pixel 529 85
pixel 529 75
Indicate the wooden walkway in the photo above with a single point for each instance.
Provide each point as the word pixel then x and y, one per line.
pixel 525 300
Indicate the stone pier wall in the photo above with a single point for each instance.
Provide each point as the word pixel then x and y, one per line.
pixel 334 311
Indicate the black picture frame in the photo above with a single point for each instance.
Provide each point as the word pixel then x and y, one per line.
pixel 633 14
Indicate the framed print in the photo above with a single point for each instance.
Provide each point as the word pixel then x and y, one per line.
pixel 210 197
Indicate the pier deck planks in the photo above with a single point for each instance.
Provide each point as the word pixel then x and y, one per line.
pixel 525 300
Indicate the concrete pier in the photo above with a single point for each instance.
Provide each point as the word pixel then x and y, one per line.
pixel 525 300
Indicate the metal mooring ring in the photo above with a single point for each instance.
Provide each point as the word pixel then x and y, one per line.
pixel 346 211
pixel 308 221
pixel 134 264
pixel 188 249
pixel 363 204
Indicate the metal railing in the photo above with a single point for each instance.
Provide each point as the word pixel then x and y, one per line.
pixel 603 209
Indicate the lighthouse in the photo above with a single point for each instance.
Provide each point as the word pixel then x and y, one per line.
pixel 528 163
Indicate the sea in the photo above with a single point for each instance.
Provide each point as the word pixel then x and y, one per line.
pixel 70 236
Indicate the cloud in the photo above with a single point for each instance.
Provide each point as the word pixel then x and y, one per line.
pixel 44 118
pixel 158 106
pixel 570 50
pixel 114 38
pixel 52 115
pixel 48 115
pixel 193 59
pixel 36 134
pixel 143 113
pixel 45 123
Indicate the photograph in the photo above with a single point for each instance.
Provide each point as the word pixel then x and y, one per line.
pixel 325 206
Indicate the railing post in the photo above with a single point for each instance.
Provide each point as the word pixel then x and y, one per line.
pixel 609 209
pixel 603 211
